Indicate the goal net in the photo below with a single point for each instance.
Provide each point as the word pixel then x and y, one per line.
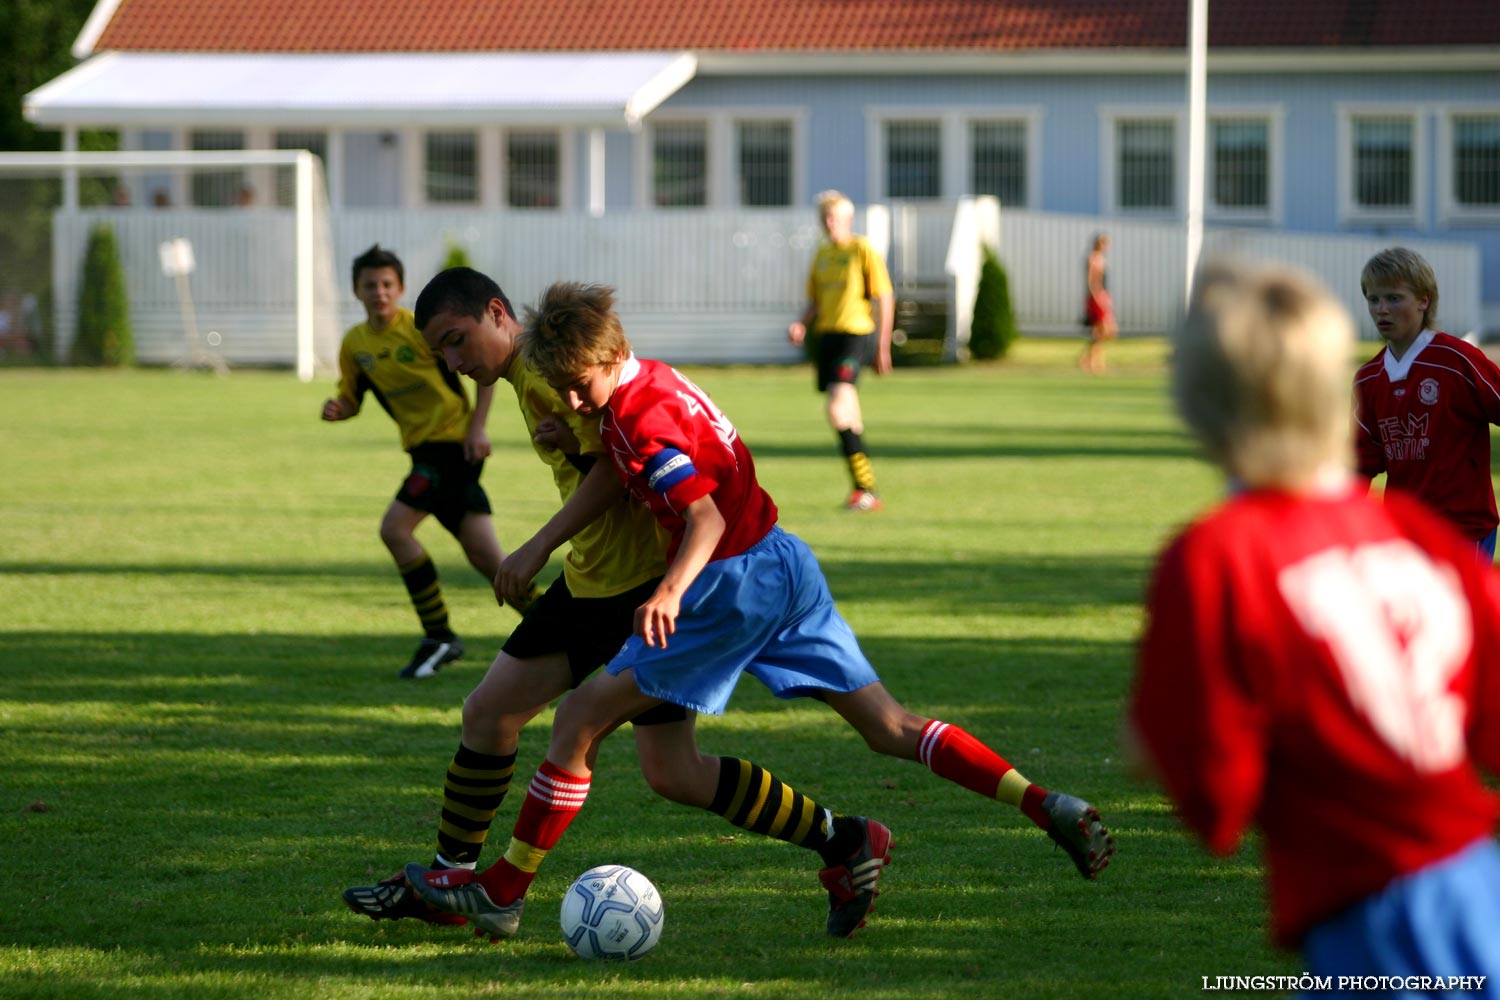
pixel 226 257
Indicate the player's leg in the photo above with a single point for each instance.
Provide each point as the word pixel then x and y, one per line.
pixel 950 752
pixel 511 693
pixel 493 899
pixel 853 849
pixel 839 370
pixel 420 576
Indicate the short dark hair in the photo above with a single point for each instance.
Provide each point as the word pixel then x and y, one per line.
pixel 376 257
pixel 461 291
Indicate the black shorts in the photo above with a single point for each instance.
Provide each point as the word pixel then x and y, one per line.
pixel 444 484
pixel 590 630
pixel 841 356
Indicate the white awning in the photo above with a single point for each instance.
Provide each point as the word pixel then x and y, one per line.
pixel 368 89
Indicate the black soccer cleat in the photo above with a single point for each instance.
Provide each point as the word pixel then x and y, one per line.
pixel 430 656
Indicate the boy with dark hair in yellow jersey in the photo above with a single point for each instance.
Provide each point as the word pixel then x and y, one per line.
pixel 851 308
pixel 444 434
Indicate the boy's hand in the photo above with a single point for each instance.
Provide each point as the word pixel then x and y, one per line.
pixel 476 445
pixel 517 570
pixel 554 433
pixel 657 618
pixel 336 409
pixel 797 333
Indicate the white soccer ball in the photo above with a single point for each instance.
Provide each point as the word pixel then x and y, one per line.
pixel 611 912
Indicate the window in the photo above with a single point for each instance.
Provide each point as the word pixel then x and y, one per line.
pixel 286 180
pixel 533 176
pixel 1240 175
pixel 913 159
pixel 679 174
pixel 765 163
pixel 1476 161
pixel 1383 167
pixel 998 161
pixel 1145 156
pixel 452 168
pixel 217 188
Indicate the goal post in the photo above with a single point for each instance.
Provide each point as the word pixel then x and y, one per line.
pixel 258 263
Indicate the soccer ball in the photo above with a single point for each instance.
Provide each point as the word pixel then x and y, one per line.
pixel 611 912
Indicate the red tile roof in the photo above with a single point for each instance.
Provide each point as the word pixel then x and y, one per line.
pixel 778 25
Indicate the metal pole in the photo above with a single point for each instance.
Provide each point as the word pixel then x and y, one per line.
pixel 1197 133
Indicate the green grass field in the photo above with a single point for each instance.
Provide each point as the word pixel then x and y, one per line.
pixel 203 739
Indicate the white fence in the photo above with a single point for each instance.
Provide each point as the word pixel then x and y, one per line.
pixel 1044 255
pixel 694 286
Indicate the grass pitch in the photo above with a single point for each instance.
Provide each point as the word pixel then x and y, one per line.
pixel 203 739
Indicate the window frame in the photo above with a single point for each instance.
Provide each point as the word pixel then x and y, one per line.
pixel 1273 212
pixel 1450 211
pixel 1349 211
pixel 722 152
pixel 1110 118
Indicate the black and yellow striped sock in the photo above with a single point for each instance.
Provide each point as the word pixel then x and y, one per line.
pixel 753 799
pixel 475 787
pixel 860 469
pixel 421 579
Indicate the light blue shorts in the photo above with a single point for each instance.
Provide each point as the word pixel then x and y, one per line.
pixel 767 613
pixel 1438 921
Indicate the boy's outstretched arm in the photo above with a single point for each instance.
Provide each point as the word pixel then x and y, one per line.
pixel 600 489
pixel 657 618
pixel 477 439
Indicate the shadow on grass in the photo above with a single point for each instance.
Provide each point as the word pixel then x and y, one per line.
pixel 999 441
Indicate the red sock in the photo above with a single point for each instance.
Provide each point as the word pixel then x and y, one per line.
pixel 552 800
pixel 953 754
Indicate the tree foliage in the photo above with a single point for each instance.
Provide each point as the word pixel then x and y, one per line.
pixel 36 37
pixel 993 330
pixel 104 333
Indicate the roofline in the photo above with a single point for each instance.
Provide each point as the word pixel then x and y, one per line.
pixel 1097 61
pixel 98 20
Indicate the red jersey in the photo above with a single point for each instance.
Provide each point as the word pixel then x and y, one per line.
pixel 671 445
pixel 1424 421
pixel 1329 668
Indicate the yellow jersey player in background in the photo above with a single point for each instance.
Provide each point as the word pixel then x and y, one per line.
pixel 441 430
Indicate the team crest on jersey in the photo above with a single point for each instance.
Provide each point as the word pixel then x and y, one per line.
pixel 365 360
pixel 1427 392
pixel 405 354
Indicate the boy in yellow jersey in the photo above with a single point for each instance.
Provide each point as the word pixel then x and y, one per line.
pixel 851 307
pixel 616 558
pixel 444 435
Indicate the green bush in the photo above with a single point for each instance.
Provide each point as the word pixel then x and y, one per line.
pixel 994 328
pixel 457 257
pixel 104 335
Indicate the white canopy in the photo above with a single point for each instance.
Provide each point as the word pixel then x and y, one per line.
pixel 358 88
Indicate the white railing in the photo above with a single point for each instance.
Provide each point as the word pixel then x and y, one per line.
pixel 699 287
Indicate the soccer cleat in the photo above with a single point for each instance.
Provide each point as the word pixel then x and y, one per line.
pixel 431 654
pixel 392 899
pixel 458 891
pixel 851 885
pixel 1077 829
pixel 863 500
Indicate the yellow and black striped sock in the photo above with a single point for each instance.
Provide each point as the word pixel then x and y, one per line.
pixel 753 799
pixel 421 579
pixel 475 787
pixel 860 469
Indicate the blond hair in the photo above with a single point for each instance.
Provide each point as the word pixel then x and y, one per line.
pixel 1400 266
pixel 571 329
pixel 1260 373
pixel 828 200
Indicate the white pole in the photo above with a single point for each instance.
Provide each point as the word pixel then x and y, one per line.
pixel 304 242
pixel 596 172
pixel 1197 132
pixel 70 174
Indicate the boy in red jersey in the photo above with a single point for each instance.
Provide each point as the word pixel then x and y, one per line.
pixel 739 596
pixel 1424 404
pixel 1321 664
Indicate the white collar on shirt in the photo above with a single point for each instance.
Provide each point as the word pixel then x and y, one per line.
pixel 1398 370
pixel 629 369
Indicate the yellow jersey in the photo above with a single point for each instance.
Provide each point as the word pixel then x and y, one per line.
pixel 625 547
pixel 419 392
pixel 841 283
